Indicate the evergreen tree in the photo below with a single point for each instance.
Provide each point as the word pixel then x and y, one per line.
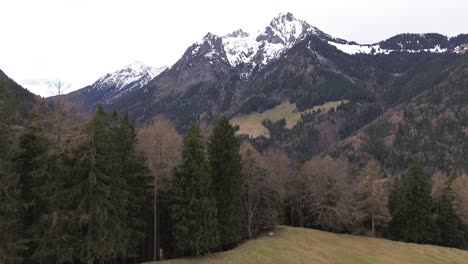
pixel 193 212
pixel 226 167
pixel 449 224
pixel 98 201
pixel 29 161
pixel 133 176
pixel 55 227
pixel 11 243
pixel 410 207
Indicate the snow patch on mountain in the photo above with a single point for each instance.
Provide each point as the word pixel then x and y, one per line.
pixel 132 76
pixel 353 49
pixel 360 49
pixel 283 32
pixel 250 51
pixel 240 47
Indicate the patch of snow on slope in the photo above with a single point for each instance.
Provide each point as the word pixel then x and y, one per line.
pixel 240 48
pixel 272 51
pixel 288 28
pixel 134 75
pixel 353 49
pixel 437 49
pixel 282 33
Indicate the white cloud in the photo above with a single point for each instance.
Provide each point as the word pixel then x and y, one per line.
pixel 81 40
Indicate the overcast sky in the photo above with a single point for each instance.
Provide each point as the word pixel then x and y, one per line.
pixel 78 41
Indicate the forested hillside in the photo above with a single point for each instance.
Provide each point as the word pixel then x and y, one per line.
pixel 362 139
pixel 15 101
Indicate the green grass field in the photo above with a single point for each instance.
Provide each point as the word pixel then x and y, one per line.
pixel 251 124
pixel 298 245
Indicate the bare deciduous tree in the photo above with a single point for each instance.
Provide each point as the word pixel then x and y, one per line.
pixel 64 124
pixel 372 196
pixel 460 188
pixel 326 195
pixel 260 195
pixel 161 144
pixel 280 168
pixel 439 184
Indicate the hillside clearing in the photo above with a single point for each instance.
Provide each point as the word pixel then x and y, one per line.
pixel 298 245
pixel 251 124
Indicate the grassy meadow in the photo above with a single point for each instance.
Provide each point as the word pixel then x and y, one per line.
pixel 251 124
pixel 299 245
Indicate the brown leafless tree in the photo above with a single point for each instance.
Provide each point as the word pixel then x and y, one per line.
pixel 161 144
pixel 372 196
pixel 460 188
pixel 280 167
pixel 326 195
pixel 439 185
pixel 260 195
pixel 65 127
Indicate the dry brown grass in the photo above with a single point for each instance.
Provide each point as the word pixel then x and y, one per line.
pixel 251 124
pixel 298 245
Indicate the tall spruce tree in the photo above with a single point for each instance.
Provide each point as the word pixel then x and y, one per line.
pixel 449 224
pixel 411 210
pixel 92 191
pixel 99 193
pixel 11 243
pixel 193 212
pixel 54 227
pixel 29 161
pixel 226 168
pixel 132 175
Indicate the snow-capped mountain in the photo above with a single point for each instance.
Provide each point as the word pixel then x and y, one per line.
pixel 248 52
pixel 114 85
pixel 411 43
pixel 132 76
pixel 243 72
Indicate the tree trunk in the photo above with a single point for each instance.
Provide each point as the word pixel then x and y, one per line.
pixel 155 227
pixel 158 236
pixel 373 221
pixel 292 217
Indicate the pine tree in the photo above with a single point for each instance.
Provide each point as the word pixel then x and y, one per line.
pixel 98 208
pixel 11 243
pixel 133 176
pixel 410 207
pixel 193 212
pixel 54 228
pixel 449 224
pixel 226 167
pixel 109 191
pixel 29 161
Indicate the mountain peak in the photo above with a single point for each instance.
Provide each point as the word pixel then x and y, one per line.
pixel 284 16
pixel 133 76
pixel 285 28
pixel 137 65
pixel 237 33
pixel 210 36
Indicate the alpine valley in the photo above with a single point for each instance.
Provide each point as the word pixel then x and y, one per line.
pixel 285 129
pixel 298 88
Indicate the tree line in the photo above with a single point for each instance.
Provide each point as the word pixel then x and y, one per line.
pixel 98 191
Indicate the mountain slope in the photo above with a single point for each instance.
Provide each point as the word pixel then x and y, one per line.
pixel 213 75
pixel 114 85
pixel 15 101
pixel 293 63
pixel 288 60
pixel 299 245
pixel 430 129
